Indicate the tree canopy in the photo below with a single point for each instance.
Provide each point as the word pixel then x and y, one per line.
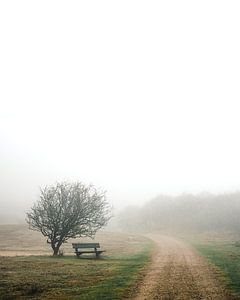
pixel 68 210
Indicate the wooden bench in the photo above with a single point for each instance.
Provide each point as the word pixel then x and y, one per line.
pixel 81 248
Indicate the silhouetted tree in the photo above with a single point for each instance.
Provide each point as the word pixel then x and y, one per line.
pixel 68 210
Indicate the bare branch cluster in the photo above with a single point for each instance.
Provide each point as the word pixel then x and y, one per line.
pixel 69 210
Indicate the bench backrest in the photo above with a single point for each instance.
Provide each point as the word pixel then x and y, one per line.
pixel 85 245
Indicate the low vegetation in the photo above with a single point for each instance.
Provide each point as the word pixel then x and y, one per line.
pixel 114 276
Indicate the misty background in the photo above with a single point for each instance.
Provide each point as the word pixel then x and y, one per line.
pixel 140 98
pixel 185 213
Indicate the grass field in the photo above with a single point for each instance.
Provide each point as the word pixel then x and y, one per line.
pixel 222 251
pixel 35 274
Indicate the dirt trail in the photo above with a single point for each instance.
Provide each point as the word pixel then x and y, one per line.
pixel 177 272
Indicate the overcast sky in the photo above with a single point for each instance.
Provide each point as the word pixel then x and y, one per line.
pixel 138 97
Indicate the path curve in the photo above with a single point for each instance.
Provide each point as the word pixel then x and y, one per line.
pixel 177 272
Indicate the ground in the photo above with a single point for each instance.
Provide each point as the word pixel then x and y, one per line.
pixel 133 267
pixel 178 272
pixel 28 269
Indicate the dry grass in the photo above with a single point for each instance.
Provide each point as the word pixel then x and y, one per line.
pixel 18 240
pixel 35 274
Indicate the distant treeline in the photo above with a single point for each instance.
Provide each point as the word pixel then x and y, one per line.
pixel 203 212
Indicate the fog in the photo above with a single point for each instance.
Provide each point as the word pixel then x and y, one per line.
pixel 140 98
pixel 185 213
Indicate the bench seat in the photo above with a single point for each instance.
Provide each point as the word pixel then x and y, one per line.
pixel 82 248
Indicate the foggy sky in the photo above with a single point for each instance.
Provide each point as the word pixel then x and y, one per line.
pixel 137 97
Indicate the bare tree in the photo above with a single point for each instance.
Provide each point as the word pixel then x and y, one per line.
pixel 68 210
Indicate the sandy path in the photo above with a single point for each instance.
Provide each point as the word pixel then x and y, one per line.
pixel 177 272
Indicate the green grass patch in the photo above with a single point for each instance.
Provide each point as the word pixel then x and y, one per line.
pixel 43 277
pixel 226 257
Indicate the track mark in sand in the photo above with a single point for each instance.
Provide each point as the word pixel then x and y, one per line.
pixel 178 272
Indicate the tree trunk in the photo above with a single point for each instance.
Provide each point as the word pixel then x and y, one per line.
pixel 55 249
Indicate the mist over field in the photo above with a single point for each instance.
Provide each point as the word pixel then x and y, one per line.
pixel 138 99
pixel 183 213
pixel 186 213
